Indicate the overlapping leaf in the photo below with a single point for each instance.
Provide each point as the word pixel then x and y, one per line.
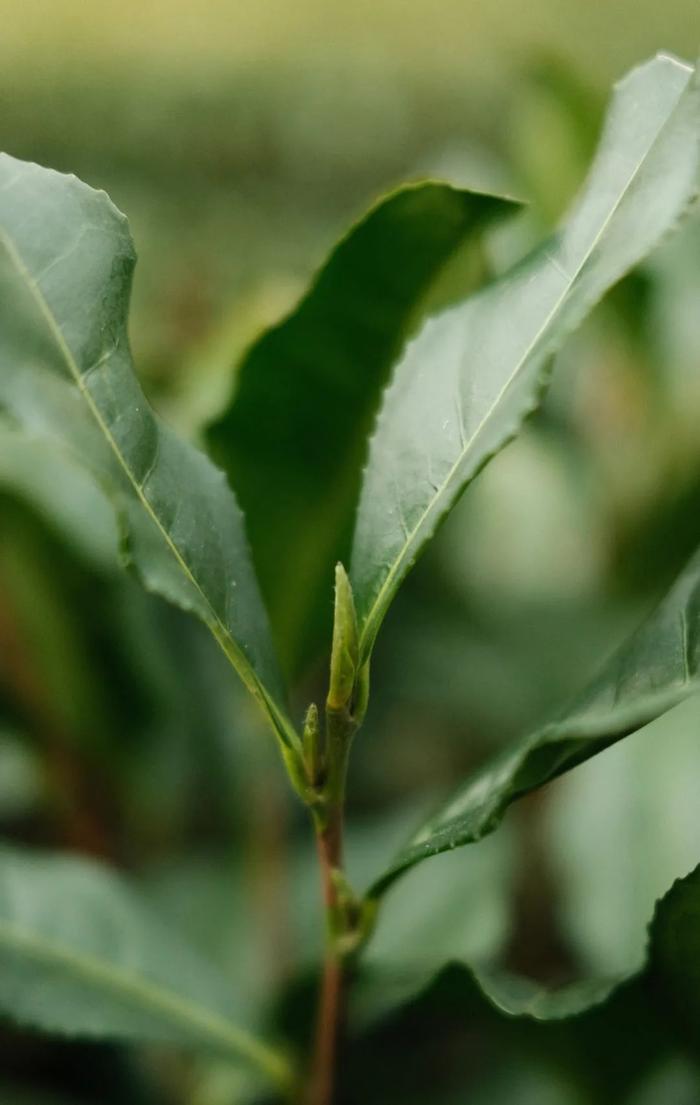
pixel 66 261
pixel 294 436
pixel 80 956
pixel 475 371
pixel 656 669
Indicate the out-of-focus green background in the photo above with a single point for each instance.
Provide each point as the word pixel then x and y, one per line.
pixel 241 139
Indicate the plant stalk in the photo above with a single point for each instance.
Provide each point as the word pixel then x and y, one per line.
pixel 329 842
pixel 326 761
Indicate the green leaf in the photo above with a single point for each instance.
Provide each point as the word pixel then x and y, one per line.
pixel 652 672
pixel 642 794
pixel 294 436
pixel 66 262
pixel 474 372
pixel 669 970
pixel 80 956
pixel 674 951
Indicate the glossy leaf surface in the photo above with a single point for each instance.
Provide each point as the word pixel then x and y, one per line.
pixel 80 956
pixel 294 436
pixel 474 372
pixel 656 669
pixel 66 263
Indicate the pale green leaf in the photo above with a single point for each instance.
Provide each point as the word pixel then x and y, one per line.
pixel 475 371
pixel 80 956
pixel 642 794
pixel 66 263
pixel 455 909
pixel 669 970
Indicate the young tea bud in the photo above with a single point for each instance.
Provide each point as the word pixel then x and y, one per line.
pixel 345 650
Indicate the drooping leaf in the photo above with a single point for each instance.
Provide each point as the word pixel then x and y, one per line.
pixel 474 372
pixel 653 671
pixel 643 795
pixel 66 262
pixel 80 956
pixel 669 967
pixel 293 437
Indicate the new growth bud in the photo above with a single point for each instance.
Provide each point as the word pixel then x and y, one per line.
pixel 345 649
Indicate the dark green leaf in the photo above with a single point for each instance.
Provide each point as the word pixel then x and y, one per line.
pixel 80 956
pixel 66 262
pixel 675 950
pixel 474 372
pixel 657 668
pixel 294 436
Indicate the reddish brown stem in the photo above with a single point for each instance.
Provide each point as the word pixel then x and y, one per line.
pixel 321 1084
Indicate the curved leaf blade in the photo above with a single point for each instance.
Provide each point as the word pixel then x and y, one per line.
pixel 675 948
pixel 474 372
pixel 66 263
pixel 671 961
pixel 652 672
pixel 80 956
pixel 318 377
pixel 670 965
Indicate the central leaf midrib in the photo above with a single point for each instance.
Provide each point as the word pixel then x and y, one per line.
pixel 149 995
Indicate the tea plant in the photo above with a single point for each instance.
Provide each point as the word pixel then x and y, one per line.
pixel 355 426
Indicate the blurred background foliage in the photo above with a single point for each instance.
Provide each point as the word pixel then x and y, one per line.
pixel 241 139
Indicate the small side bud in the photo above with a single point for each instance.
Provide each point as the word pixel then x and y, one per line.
pixel 313 746
pixel 345 650
pixel 353 919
